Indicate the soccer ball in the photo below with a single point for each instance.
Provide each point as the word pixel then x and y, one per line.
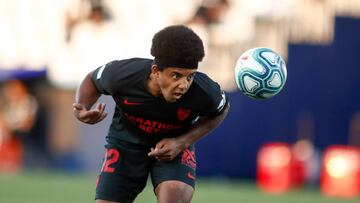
pixel 260 73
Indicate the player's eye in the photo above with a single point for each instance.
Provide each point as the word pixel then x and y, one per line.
pixel 176 76
pixel 190 77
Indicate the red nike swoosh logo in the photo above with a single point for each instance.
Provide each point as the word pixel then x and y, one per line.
pixel 127 102
pixel 190 176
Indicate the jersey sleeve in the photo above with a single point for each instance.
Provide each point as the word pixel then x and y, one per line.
pixel 221 103
pixel 109 78
pixel 218 103
pixel 215 99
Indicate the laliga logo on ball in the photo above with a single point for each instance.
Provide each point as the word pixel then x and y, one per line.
pixel 260 73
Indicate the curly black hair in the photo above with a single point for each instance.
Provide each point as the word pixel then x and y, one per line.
pixel 177 46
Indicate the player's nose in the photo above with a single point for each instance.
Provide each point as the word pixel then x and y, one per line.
pixel 184 85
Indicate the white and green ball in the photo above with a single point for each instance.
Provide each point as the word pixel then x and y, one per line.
pixel 260 73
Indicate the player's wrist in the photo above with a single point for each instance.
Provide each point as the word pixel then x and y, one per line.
pixel 184 142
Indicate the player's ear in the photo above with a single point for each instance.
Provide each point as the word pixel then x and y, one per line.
pixel 155 69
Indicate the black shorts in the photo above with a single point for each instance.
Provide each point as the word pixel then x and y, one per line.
pixel 125 171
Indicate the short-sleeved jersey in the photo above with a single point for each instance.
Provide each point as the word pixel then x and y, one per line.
pixel 140 117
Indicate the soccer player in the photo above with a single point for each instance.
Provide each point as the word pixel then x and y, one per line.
pixel 163 106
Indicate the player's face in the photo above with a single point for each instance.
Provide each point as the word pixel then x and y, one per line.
pixel 175 82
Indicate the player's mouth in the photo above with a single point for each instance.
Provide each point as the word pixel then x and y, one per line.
pixel 178 95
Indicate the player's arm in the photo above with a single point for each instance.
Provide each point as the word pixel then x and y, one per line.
pixel 168 148
pixel 86 96
pixel 203 127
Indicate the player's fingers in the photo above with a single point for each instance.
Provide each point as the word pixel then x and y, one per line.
pixel 89 116
pixel 151 153
pixel 96 114
pixel 92 118
pixel 158 152
pixel 102 109
pixel 160 145
pixel 83 112
pixel 99 112
pixel 78 106
pixel 103 106
pixel 97 107
pixel 103 115
pixel 92 113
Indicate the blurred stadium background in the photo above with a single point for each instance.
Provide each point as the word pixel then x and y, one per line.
pixel 302 145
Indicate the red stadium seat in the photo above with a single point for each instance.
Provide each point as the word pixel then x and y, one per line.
pixel 274 167
pixel 341 171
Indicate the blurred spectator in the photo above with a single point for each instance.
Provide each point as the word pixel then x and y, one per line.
pixel 19 107
pixel 31 32
pixel 216 28
pixel 354 130
pixel 23 138
pixel 306 156
pixel 200 24
pixel 141 19
pixel 313 22
pixel 346 7
pixel 75 12
pixel 94 40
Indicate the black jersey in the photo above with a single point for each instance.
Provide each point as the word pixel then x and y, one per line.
pixel 142 118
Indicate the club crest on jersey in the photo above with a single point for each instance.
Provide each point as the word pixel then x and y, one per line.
pixel 183 113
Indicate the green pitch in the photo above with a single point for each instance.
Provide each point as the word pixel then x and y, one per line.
pixel 60 188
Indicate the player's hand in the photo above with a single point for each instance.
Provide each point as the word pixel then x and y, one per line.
pixel 90 116
pixel 167 149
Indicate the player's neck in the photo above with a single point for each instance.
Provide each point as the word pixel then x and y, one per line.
pixel 152 87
